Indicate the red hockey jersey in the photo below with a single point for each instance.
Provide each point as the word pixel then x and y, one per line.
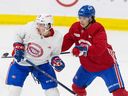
pixel 100 54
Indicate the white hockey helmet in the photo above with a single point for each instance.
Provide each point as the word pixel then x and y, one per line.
pixel 44 19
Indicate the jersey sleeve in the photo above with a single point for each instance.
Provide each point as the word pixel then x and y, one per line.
pixel 99 43
pixel 68 40
pixel 58 44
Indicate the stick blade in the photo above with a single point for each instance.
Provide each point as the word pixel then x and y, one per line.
pixel 5 55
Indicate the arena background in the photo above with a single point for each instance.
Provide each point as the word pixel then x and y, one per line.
pixel 111 13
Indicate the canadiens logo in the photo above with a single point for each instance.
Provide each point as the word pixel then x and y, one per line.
pixel 34 50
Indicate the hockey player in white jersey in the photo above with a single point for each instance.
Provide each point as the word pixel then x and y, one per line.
pixel 39 43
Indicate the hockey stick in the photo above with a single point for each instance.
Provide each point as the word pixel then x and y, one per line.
pixel 5 55
pixel 65 52
pixel 49 76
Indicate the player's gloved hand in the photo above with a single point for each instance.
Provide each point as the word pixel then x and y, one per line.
pixel 18 51
pixel 57 63
pixel 81 49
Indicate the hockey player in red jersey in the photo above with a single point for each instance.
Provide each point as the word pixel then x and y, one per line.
pixel 96 56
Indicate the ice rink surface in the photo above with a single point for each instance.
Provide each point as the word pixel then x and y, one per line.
pixel 97 88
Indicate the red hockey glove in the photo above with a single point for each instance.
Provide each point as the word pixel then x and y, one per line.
pixel 81 49
pixel 57 63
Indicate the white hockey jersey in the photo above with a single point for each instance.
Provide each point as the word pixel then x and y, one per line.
pixel 38 50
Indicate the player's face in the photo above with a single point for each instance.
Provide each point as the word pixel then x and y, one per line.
pixel 84 21
pixel 43 29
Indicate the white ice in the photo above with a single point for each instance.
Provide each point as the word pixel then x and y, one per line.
pixel 97 88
